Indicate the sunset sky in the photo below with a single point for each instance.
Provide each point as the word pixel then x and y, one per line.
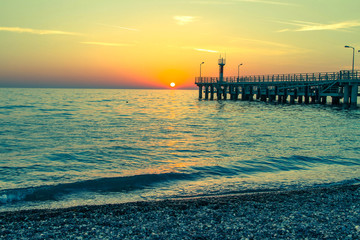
pixel 151 43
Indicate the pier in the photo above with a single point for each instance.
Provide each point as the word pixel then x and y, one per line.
pixel 341 87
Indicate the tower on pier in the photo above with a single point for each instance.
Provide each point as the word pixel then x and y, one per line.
pixel 222 62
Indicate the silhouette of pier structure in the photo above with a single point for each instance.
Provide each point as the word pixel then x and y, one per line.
pixel 341 87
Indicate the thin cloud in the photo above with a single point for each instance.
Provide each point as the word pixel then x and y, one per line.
pixel 309 26
pixel 205 50
pixel 196 49
pixel 182 20
pixel 213 2
pixel 124 28
pixel 36 31
pixel 262 42
pixel 108 44
pixel 248 1
pixel 267 2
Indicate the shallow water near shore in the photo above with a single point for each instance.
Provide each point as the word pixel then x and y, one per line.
pixel 69 147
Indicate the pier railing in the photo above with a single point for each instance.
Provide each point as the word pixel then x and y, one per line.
pixel 297 77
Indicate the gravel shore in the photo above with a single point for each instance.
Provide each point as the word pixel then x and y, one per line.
pixel 319 213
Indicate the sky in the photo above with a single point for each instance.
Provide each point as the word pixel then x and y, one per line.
pixel 151 43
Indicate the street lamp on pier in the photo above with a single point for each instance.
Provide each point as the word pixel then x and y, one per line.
pixel 239 71
pixel 353 60
pixel 200 69
pixel 358 71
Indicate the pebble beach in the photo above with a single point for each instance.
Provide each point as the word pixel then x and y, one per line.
pixel 316 213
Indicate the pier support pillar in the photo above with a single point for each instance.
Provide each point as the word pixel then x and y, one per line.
pixel 306 97
pixel 323 100
pixel 285 96
pixel 258 94
pixel 200 91
pixel 292 99
pixel 272 98
pixel 346 94
pixel 313 99
pixel 236 93
pixel 233 93
pixel 300 99
pixel 224 91
pixel 243 93
pixel 317 94
pixel 335 100
pixel 218 92
pixel 211 92
pixel 206 92
pixel 251 94
pixel 354 94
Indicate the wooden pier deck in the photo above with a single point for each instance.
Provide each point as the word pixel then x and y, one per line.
pixel 342 87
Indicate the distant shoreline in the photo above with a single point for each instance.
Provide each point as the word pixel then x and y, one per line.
pixel 332 212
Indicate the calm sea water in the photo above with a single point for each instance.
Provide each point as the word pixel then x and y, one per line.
pixel 67 147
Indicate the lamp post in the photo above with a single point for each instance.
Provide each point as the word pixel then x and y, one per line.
pixel 239 70
pixel 352 71
pixel 357 73
pixel 200 69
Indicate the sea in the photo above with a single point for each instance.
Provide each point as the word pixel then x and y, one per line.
pixel 70 147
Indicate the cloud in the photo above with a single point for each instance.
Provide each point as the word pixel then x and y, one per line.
pixel 182 20
pixel 262 42
pixel 213 2
pixel 108 44
pixel 309 26
pixel 196 49
pixel 267 2
pixel 205 50
pixel 36 31
pixel 124 28
pixel 228 2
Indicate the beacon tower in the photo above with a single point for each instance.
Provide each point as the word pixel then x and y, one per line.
pixel 222 62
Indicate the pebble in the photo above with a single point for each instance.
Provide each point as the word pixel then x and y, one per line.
pixel 324 213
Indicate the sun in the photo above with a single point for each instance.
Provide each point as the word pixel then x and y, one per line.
pixel 172 84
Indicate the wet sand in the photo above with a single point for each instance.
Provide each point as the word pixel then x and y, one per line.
pixel 318 213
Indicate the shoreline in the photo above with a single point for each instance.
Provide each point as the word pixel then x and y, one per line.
pixel 318 213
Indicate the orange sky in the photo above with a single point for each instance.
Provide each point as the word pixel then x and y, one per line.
pixel 149 44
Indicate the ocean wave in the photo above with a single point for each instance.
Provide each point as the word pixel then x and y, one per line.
pixel 16 106
pixel 102 185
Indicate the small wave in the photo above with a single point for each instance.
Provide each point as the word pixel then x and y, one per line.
pixel 16 106
pixel 102 185
pixel 271 164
